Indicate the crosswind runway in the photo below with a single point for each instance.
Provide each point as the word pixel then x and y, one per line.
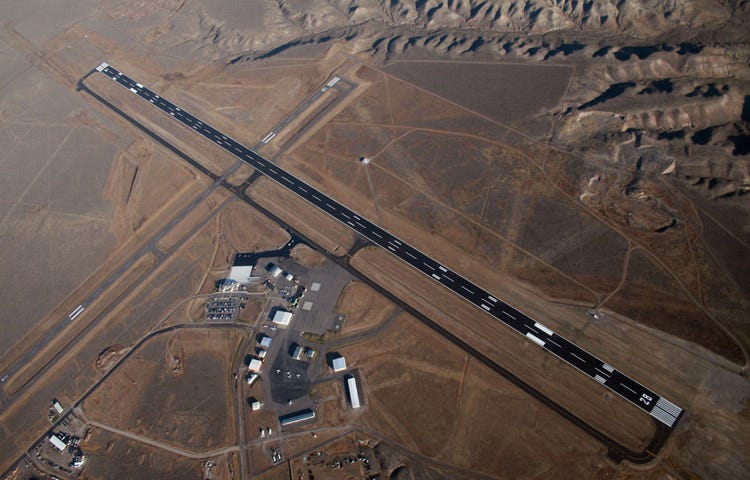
pixel 658 407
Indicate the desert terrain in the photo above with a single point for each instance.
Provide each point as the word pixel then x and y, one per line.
pixel 587 163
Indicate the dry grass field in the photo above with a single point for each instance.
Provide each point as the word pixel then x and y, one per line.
pixel 113 456
pixel 364 308
pixel 513 202
pixel 55 223
pixel 586 399
pixel 176 388
pixel 307 219
pixel 504 92
pixel 567 157
pixel 425 394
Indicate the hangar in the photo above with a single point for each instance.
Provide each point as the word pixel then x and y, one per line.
pixel 282 317
pixel 242 268
pixel 351 387
pixel 296 417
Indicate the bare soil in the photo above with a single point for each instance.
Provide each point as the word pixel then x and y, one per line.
pixel 424 393
pixel 565 385
pixel 306 256
pixel 190 405
pixel 504 92
pixel 318 226
pixel 112 456
pixel 364 308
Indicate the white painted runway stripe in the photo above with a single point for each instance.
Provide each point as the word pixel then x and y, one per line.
pixel 76 312
pixel 410 254
pixel 543 328
pixel 468 290
pixel 663 416
pixel 435 276
pixel 485 307
pixel 579 358
pixel 629 388
pixel 508 314
pixel 669 407
pixel 535 339
pixel 492 299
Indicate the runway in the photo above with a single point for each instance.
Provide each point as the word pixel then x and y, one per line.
pixel 658 407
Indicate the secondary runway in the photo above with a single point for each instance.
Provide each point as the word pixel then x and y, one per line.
pixel 658 407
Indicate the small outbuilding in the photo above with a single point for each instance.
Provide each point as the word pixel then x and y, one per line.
pixel 255 365
pixel 338 364
pixel 273 270
pixel 251 378
pixel 296 351
pixel 265 341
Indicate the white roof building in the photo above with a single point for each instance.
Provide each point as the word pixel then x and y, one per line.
pixel 256 405
pixel 265 342
pixel 57 443
pixel 339 364
pixel 255 365
pixel 56 405
pixel 241 274
pixel 282 318
pixel 351 386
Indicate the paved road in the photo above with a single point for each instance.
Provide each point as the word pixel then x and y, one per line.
pixel 658 407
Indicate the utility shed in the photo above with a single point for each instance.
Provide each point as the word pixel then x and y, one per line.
pixel 255 365
pixel 351 386
pixel 282 318
pixel 339 364
pixel 265 341
pixel 296 351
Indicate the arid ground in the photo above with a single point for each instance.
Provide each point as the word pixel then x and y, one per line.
pixel 585 162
